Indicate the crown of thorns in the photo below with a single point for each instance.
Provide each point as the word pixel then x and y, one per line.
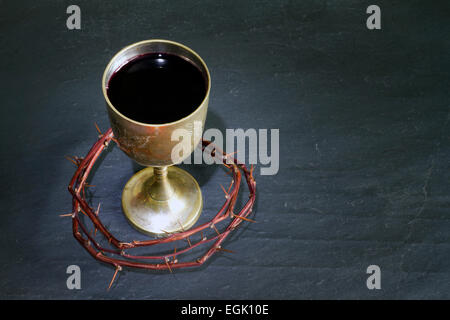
pixel 119 254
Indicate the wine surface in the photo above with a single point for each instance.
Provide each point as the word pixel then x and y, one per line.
pixel 157 88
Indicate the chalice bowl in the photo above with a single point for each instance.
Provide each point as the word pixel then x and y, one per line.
pixel 157 94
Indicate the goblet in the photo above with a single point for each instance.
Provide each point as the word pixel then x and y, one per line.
pixel 162 198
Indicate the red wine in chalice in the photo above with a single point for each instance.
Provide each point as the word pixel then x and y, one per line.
pixel 157 88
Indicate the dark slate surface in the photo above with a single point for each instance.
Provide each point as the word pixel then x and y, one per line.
pixel 364 142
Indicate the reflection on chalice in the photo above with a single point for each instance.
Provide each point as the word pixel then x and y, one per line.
pixel 153 89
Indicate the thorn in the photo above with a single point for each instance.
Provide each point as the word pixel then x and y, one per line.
pixel 98 129
pixel 175 251
pixel 229 154
pixel 125 244
pixel 189 241
pixel 71 160
pixel 243 218
pixel 118 268
pixel 231 184
pixel 214 227
pixel 75 160
pixel 219 248
pixel 166 232
pixel 66 215
pixel 181 226
pixel 168 265
pixel 227 196
pixel 98 209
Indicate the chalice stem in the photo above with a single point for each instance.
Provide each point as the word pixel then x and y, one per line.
pixel 160 189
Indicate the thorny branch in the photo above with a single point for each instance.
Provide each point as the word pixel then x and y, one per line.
pixel 167 261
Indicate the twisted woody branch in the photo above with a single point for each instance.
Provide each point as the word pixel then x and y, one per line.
pixel 118 254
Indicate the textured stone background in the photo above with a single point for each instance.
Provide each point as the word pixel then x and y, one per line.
pixel 364 142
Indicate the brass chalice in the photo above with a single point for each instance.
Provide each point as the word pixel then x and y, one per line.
pixel 145 109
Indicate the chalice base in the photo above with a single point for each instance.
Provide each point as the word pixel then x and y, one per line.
pixel 160 217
